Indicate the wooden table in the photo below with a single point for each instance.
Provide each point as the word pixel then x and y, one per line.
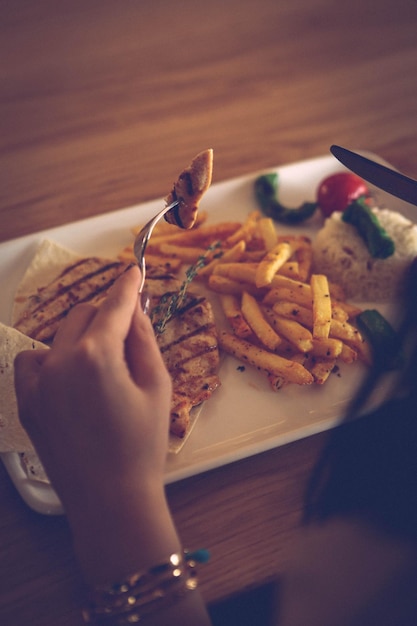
pixel 98 99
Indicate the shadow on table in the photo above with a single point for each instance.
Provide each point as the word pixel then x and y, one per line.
pixel 252 608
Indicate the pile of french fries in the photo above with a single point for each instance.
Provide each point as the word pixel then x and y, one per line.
pixel 281 318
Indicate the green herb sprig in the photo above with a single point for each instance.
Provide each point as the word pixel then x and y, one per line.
pixel 170 304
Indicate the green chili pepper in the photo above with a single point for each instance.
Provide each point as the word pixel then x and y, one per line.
pixel 382 337
pixel 376 238
pixel 266 189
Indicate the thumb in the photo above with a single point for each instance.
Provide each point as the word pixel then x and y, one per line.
pixel 143 354
pixel 27 367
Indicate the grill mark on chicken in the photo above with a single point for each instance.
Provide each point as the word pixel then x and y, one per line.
pixel 68 290
pixel 176 213
pixel 196 332
pixel 201 350
pixel 187 178
pixel 189 347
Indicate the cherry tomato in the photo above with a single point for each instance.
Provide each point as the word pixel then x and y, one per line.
pixel 337 191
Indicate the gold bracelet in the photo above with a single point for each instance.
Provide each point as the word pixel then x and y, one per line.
pixel 140 594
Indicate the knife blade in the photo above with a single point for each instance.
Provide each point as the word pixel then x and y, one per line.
pixel 383 177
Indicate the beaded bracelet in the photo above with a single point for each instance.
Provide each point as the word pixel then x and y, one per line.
pixel 140 594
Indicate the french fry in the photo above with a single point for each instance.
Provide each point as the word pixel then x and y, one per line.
pixel 342 308
pixel 283 282
pixel 211 232
pixel 187 255
pixel 290 269
pixel 299 357
pixel 256 320
pixel 246 230
pixel 321 370
pixel 230 255
pixel 322 306
pixel 348 354
pixel 290 371
pixel 363 349
pixel 345 331
pixel 198 237
pixel 285 348
pixel 351 335
pixel 271 263
pixel 304 256
pixel 253 256
pixel 169 264
pixel 294 332
pixel 339 313
pixel 327 348
pixel 223 284
pixel 293 311
pixel 267 233
pixel 298 296
pixel 177 237
pixel 237 271
pixel 233 313
pixel 295 240
pixel 152 260
pixel 289 351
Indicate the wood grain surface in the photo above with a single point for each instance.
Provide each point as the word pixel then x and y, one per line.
pixel 101 103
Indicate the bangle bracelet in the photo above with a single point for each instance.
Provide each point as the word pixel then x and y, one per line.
pixel 142 593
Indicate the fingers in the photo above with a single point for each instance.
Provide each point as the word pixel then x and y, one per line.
pixel 121 320
pixel 27 366
pixel 75 325
pixel 114 314
pixel 113 318
pixel 143 355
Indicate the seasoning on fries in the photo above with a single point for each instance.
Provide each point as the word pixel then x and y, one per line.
pixel 283 319
pixel 322 306
pixel 254 316
pixel 290 371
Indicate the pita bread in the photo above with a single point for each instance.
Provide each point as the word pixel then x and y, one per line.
pixel 33 467
pixel 49 261
pixel 13 437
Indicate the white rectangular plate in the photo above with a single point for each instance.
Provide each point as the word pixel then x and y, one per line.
pixel 244 417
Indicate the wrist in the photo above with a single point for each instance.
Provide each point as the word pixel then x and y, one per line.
pixel 133 530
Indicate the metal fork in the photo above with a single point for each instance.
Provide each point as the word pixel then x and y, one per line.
pixel 143 237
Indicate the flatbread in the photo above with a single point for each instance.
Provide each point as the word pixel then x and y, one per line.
pixel 49 261
pixel 13 437
pixel 33 467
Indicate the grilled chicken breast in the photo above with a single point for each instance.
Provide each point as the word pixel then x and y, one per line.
pixel 188 344
pixel 189 347
pixel 190 187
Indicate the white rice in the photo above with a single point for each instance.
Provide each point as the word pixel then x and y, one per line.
pixel 341 254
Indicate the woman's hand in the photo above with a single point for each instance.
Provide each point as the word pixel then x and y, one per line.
pixel 97 408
